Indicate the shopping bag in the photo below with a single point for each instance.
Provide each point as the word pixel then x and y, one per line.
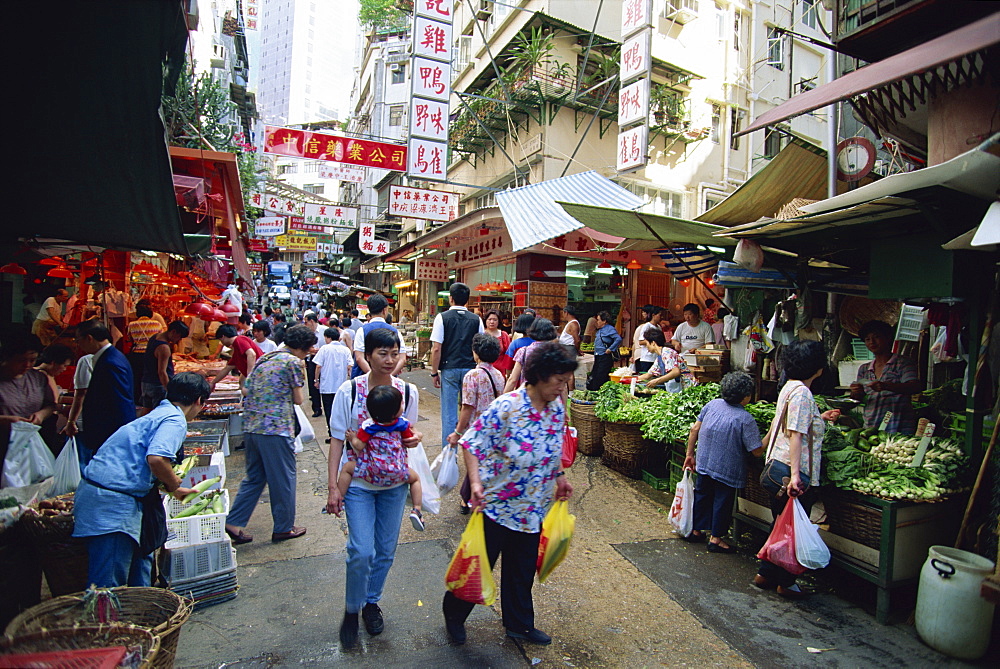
pixel 557 532
pixel 431 495
pixel 66 476
pixel 569 447
pixel 779 549
pixel 682 510
pixel 447 469
pixel 28 459
pixel 469 576
pixel 305 432
pixel 810 550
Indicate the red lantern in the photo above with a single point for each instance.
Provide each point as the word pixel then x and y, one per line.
pixel 219 315
pixel 13 268
pixel 230 308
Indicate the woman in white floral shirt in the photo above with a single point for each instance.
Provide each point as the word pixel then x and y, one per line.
pixel 513 456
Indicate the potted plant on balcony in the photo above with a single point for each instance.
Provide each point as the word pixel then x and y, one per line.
pixel 667 106
pixel 530 52
pixel 561 73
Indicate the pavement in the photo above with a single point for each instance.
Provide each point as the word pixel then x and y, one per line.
pixel 629 594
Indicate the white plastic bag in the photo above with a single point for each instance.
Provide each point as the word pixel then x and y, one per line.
pixel 810 551
pixel 67 469
pixel 749 255
pixel 682 510
pixel 306 432
pixel 28 459
pixel 446 464
pixel 419 463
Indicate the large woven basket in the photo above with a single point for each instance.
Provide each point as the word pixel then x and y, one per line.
pixel 852 519
pixel 754 491
pixel 63 557
pixel 624 448
pixel 78 638
pixel 589 428
pixel 160 611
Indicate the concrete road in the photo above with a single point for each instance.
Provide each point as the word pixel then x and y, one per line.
pixel 629 594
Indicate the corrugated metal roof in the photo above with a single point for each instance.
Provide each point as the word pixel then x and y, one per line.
pixel 532 214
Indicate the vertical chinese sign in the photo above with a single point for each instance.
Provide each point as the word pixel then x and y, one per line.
pixel 367 242
pixel 633 98
pixel 251 14
pixel 430 88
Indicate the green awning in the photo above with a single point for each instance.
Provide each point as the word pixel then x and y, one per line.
pixel 632 225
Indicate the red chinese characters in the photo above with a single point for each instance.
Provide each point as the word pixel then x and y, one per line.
pixel 319 146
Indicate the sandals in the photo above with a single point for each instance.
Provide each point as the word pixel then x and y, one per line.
pixel 239 537
pixel 417 520
pixel 717 548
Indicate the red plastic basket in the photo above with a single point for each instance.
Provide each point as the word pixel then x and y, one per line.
pixel 86 658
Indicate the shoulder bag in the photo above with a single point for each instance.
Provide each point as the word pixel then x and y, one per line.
pixel 774 478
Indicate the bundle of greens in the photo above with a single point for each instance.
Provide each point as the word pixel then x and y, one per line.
pixel 669 416
pixel 610 397
pixel 763 414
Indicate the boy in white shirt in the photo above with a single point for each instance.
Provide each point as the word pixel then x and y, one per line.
pixel 333 363
pixel 693 332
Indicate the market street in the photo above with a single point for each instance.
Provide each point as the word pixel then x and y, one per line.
pixel 602 606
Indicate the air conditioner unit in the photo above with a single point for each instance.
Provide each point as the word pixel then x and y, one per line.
pixel 485 10
pixel 395 67
pixel 680 11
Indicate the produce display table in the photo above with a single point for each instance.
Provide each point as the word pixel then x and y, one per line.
pixel 882 541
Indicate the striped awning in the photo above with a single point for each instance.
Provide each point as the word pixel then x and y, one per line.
pixel 685 263
pixel 532 215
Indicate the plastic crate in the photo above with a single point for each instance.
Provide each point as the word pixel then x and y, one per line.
pixel 656 482
pixel 860 351
pixel 911 322
pixel 83 658
pixel 187 563
pixel 195 529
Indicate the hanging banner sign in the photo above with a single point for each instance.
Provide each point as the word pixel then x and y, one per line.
pixel 633 103
pixel 429 119
pixel 636 15
pixel 431 205
pixel 428 159
pixel 335 148
pixel 367 242
pixel 269 226
pixel 633 148
pixel 251 15
pixel 256 245
pixel 332 216
pixel 431 79
pixel 342 173
pixel 432 38
pixel 635 59
pixel 435 9
pixel 431 270
pixel 299 223
pixel 295 242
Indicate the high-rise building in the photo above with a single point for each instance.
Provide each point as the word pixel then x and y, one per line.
pixel 301 61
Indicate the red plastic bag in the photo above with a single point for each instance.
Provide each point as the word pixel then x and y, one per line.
pixel 469 576
pixel 569 447
pixel 779 549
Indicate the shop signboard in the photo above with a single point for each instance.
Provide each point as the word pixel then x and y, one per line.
pixel 636 15
pixel 633 147
pixel 299 223
pixel 251 15
pixel 435 9
pixel 428 159
pixel 429 119
pixel 269 226
pixel 482 248
pixel 432 38
pixel 332 216
pixel 635 60
pixel 367 242
pixel 334 148
pixel 256 200
pixel 432 205
pixel 633 103
pixel 256 245
pixel 431 270
pixel 342 172
pixel 633 95
pixel 256 267
pixel 292 242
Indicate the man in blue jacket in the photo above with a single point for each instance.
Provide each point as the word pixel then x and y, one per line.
pixel 109 403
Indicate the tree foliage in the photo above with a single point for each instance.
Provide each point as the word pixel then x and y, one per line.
pixel 379 14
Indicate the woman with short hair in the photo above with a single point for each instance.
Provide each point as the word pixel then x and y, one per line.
pixel 724 433
pixel 541 330
pixel 513 453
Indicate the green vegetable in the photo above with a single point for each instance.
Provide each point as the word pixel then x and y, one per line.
pixel 669 416
pixel 763 414
pixel 8 503
pixel 195 508
pixel 200 488
pixel 186 466
pixel 217 504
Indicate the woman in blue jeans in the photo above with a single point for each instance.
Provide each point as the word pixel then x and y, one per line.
pixel 374 513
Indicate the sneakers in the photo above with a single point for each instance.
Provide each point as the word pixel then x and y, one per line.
pixel 349 631
pixel 532 636
pixel 372 616
pixel 417 520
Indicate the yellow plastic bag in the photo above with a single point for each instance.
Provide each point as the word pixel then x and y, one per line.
pixel 469 576
pixel 557 531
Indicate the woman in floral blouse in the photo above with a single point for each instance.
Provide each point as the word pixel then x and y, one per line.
pixel 272 390
pixel 669 367
pixel 513 456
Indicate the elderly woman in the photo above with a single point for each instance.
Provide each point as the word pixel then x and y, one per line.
pixel 668 367
pixel 513 456
pixel 724 433
pixel 25 393
pixel 888 381
pixel 273 389
pixel 374 512
pixel 794 445
pixel 541 330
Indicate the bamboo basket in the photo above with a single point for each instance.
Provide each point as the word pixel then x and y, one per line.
pixel 624 448
pixel 160 611
pixel 589 428
pixel 63 557
pixel 79 638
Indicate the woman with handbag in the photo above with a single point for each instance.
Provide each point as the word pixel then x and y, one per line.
pixel 794 444
pixel 607 341
pixel 374 513
pixel 273 390
pixel 513 455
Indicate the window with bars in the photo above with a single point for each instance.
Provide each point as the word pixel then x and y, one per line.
pixel 396 113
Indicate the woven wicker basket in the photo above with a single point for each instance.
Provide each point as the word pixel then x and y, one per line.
pixel 78 638
pixel 589 428
pixel 160 611
pixel 851 519
pixel 63 557
pixel 625 448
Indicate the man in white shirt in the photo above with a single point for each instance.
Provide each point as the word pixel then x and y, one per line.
pixel 451 354
pixel 50 318
pixel 377 306
pixel 642 357
pixel 693 332
pixel 333 367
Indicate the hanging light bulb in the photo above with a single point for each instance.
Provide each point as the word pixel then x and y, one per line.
pixel 633 264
